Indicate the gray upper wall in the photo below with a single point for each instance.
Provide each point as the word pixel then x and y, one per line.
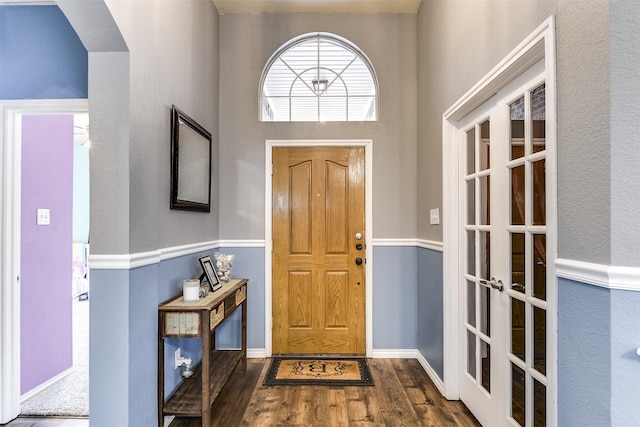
pixel 246 43
pixel 461 41
pixel 173 58
pixel 625 131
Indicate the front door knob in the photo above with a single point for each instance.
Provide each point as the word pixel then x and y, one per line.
pixel 358 261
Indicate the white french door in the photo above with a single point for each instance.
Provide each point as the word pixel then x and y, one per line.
pixel 504 280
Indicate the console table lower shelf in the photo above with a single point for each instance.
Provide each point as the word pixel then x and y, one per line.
pixel 186 400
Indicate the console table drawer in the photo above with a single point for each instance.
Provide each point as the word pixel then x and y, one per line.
pixel 182 323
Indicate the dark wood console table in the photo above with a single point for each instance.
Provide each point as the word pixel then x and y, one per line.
pixel 200 319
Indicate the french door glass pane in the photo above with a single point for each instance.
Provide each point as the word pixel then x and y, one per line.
pixel 485 208
pixel 471 354
pixel 539 117
pixel 484 146
pixel 471 252
pixel 518 344
pixel 471 303
pixel 539 266
pixel 540 340
pixel 518 201
pixel 517 394
pixel 471 151
pixel 517 262
pixel 485 255
pixel 485 311
pixel 539 404
pixel 471 202
pixel 516 111
pixel 539 192
pixel 486 365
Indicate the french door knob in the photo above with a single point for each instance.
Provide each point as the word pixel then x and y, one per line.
pixel 492 284
pixel 358 261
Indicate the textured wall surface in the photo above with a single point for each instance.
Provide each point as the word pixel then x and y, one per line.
pixel 625 363
pixel 430 309
pixel 246 43
pixel 109 398
pixel 584 337
pixel 394 298
pixel 625 131
pixel 173 60
pixel 491 30
pixel 45 285
pixel 41 55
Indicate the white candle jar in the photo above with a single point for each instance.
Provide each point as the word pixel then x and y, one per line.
pixel 191 290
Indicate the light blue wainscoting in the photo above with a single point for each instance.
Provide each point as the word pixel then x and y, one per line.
pixel 248 264
pixel 109 348
pixel 394 298
pixel 430 309
pixel 171 273
pixel 625 362
pixel 123 342
pixel 584 354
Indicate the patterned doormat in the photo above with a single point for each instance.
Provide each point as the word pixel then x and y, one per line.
pixel 318 371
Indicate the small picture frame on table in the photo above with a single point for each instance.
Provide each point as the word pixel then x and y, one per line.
pixel 210 273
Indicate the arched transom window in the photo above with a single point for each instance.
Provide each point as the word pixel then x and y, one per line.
pixel 318 77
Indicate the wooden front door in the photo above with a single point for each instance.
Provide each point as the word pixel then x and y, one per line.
pixel 318 250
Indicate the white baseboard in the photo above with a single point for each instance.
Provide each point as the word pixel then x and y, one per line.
pixel 46 384
pixel 256 353
pixel 432 374
pixel 411 354
pixel 394 353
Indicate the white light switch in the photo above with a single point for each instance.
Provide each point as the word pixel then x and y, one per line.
pixel 434 216
pixel 44 217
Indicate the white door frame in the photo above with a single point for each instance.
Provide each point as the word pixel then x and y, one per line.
pixel 540 44
pixel 368 206
pixel 11 113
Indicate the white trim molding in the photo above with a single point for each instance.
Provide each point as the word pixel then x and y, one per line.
pixel 437 381
pixel 420 243
pixel 256 353
pixel 394 242
pixel 242 244
pixel 430 244
pixel 142 259
pixel 46 384
pixel 411 354
pixel 11 112
pixel 605 276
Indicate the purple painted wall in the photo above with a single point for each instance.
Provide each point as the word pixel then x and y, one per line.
pixel 46 252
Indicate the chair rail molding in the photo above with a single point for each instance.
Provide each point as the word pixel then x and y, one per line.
pixel 605 276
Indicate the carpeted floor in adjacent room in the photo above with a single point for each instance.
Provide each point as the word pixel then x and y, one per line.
pixel 70 395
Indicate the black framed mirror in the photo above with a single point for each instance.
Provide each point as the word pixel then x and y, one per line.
pixel 190 163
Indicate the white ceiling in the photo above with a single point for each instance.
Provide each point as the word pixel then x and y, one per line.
pixel 317 6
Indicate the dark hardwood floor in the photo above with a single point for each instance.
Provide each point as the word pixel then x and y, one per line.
pixel 403 395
